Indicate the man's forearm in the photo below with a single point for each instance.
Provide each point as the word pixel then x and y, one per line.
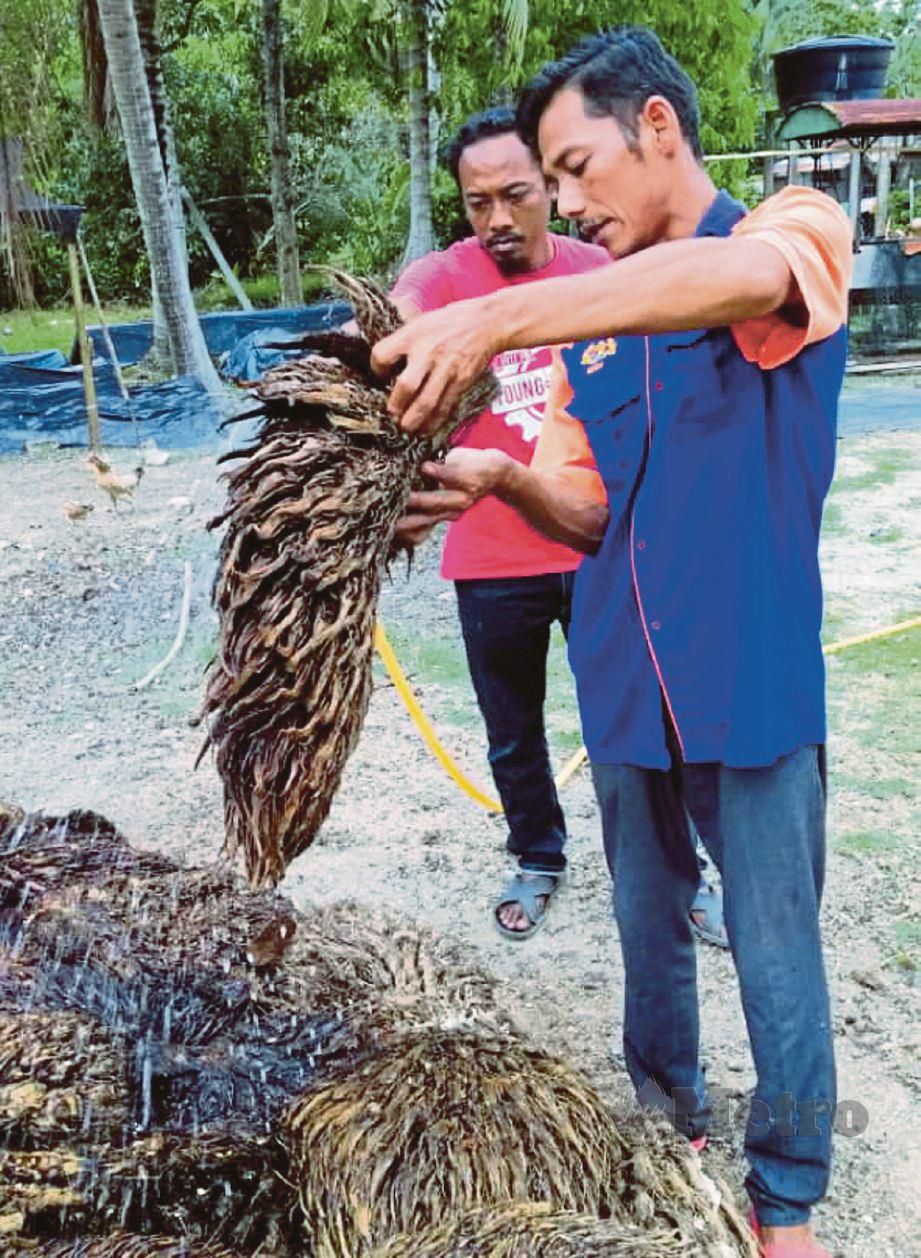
pixel 670 287
pixel 553 508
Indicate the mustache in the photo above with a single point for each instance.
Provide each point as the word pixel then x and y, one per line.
pixel 588 227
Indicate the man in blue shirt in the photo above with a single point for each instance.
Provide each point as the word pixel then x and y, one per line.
pixel 687 450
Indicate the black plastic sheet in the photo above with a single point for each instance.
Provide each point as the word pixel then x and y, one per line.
pixel 41 399
pixel 256 353
pixel 222 330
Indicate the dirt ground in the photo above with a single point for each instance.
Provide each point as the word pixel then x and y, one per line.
pixel 88 607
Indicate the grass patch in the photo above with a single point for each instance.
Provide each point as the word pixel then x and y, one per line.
pixel 881 537
pixel 878 788
pixel 874 692
pixel 262 290
pixel 25 330
pixel 907 934
pixel 906 954
pixel 833 518
pixel 430 661
pixel 564 730
pixel 894 657
pixel 866 842
pixel 437 669
pixel 887 465
pixel 835 621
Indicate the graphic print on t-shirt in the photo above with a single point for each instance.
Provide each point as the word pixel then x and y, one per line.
pixel 524 380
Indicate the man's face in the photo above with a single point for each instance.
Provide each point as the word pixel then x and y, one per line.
pixel 506 201
pixel 618 196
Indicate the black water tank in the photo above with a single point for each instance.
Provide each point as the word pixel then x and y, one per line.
pixel 840 67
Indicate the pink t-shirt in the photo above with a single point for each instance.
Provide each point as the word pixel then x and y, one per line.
pixel 491 539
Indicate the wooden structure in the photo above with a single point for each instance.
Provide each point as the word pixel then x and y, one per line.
pixel 861 123
pixel 21 206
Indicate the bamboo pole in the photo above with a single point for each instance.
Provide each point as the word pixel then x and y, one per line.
pixel 106 336
pixel 103 326
pixel 86 353
pixel 207 235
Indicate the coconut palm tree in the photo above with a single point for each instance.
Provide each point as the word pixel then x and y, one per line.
pixel 128 35
pixel 273 81
pixel 402 33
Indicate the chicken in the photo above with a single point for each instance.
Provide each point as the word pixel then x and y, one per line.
pixel 113 483
pixel 76 510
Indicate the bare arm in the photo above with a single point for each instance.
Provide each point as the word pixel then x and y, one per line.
pixel 680 284
pixel 549 504
pixel 546 501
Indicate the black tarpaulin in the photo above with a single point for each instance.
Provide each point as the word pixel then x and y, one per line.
pixel 223 329
pixel 41 399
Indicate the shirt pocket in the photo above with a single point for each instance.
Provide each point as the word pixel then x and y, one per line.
pixel 614 408
pixel 697 375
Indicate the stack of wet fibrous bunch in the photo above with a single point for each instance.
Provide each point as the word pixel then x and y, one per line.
pixel 203 1070
pixel 309 531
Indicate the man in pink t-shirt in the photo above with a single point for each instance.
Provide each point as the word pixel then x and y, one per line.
pixel 512 583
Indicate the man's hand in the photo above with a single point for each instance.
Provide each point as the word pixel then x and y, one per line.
pixel 445 351
pixel 464 478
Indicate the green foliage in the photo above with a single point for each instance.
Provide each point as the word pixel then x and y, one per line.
pixel 52 327
pixel 712 39
pixel 899 209
pixel 347 118
pixel 904 79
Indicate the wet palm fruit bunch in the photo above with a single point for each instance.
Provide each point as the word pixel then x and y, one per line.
pixel 309 525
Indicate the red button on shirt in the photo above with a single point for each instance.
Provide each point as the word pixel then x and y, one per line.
pixel 641 545
pixel 656 624
pixel 659 386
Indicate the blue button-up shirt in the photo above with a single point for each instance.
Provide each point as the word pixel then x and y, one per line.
pixel 704 603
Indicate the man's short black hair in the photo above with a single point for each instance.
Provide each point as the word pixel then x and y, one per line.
pixel 499 120
pixel 616 72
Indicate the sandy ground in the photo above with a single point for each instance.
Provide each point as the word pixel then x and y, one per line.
pixel 89 607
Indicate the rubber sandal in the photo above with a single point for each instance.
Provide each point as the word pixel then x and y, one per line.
pixel 709 903
pixel 774 1250
pixel 524 889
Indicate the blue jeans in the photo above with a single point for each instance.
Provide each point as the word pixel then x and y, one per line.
pixel 506 626
pixel 765 830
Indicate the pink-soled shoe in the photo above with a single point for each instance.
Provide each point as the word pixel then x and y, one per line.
pixel 779 1250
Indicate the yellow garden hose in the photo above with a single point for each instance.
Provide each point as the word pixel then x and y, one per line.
pixel 424 725
pixel 431 740
pixel 834 647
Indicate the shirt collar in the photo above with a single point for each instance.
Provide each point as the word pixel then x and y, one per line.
pixel 721 216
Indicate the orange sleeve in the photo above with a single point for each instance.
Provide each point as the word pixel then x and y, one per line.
pixel 562 447
pixel 813 234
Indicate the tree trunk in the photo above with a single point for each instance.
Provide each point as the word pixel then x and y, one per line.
pixel 145 12
pixel 163 238
pixel 273 77
pixel 415 64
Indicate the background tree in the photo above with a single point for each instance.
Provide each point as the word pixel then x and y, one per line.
pixel 283 198
pixel 414 21
pixel 32 34
pixel 364 182
pixel 156 188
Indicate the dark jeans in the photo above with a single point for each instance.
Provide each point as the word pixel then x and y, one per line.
pixel 506 626
pixel 765 830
